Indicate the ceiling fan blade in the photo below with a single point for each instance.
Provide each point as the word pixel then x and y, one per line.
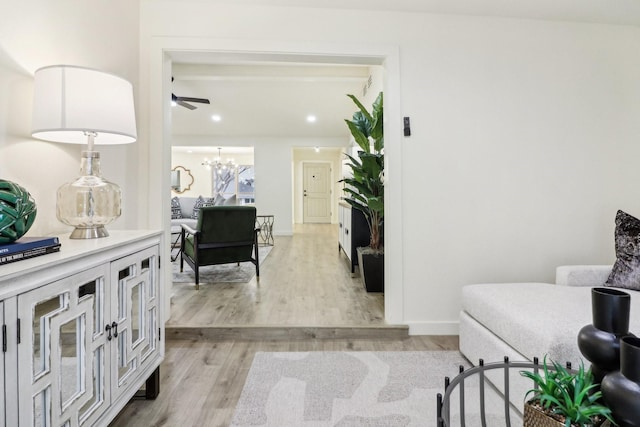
pixel 187 99
pixel 184 104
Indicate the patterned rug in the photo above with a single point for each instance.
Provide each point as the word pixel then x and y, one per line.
pixel 356 389
pixel 225 273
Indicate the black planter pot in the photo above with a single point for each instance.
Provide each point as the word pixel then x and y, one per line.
pixel 621 390
pixel 599 343
pixel 371 269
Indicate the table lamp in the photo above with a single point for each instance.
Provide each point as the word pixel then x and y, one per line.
pixel 79 105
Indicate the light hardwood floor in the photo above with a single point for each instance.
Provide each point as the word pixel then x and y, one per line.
pixel 306 300
pixel 201 381
pixel 304 281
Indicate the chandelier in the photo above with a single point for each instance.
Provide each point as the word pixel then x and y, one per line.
pixel 218 165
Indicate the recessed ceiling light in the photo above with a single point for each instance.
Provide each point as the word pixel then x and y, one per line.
pixel 216 118
pixel 311 118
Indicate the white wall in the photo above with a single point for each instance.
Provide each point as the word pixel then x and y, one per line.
pixel 525 136
pixel 373 89
pixel 202 181
pixel 99 34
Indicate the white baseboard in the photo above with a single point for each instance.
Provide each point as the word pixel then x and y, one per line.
pixel 434 328
pixel 283 233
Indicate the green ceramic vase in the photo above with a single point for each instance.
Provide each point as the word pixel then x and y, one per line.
pixel 17 211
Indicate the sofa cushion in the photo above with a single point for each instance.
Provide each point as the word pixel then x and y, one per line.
pixel 200 202
pixel 186 206
pixel 176 213
pixel 626 270
pixel 520 315
pixel 537 318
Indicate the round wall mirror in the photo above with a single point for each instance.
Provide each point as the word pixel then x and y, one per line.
pixel 181 179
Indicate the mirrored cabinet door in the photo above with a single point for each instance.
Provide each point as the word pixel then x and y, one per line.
pixel 62 371
pixel 134 302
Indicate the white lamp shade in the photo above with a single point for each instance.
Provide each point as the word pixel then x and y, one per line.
pixel 70 101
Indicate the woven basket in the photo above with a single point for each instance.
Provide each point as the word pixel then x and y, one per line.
pixel 534 417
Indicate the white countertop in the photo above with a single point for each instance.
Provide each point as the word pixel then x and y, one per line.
pixel 72 249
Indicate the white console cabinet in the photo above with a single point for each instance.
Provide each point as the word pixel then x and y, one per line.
pixel 82 330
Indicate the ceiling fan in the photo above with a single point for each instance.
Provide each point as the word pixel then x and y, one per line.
pixel 182 100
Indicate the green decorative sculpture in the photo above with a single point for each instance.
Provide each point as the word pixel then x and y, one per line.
pixel 17 211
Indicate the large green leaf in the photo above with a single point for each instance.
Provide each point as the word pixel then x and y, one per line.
pixel 361 188
pixel 362 122
pixel 354 161
pixel 376 204
pixel 361 139
pixel 362 108
pixel 372 164
pixel 377 128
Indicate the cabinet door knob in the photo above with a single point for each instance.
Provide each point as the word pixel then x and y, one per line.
pixel 114 325
pixel 108 329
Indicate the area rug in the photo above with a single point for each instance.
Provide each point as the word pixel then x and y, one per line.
pixel 225 273
pixel 356 389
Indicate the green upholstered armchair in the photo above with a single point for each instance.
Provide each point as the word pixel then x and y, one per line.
pixel 223 235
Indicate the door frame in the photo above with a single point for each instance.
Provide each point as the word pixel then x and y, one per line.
pixel 155 113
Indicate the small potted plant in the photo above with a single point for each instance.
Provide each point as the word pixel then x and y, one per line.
pixel 365 187
pixel 564 399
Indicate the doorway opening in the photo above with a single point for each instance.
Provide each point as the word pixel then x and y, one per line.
pixel 161 69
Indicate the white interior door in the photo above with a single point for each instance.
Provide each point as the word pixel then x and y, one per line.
pixel 316 193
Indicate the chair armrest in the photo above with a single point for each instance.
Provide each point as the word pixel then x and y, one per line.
pixel 582 275
pixel 188 229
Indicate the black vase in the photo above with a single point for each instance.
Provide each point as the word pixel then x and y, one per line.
pixel 599 343
pixel 621 389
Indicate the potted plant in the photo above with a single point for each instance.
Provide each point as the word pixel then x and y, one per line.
pixel 564 399
pixel 365 188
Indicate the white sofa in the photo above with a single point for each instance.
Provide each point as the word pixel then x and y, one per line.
pixel 186 208
pixel 525 320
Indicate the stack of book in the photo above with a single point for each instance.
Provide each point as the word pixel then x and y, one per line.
pixel 28 247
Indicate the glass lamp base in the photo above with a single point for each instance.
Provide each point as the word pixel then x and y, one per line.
pixel 90 202
pixel 89 232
